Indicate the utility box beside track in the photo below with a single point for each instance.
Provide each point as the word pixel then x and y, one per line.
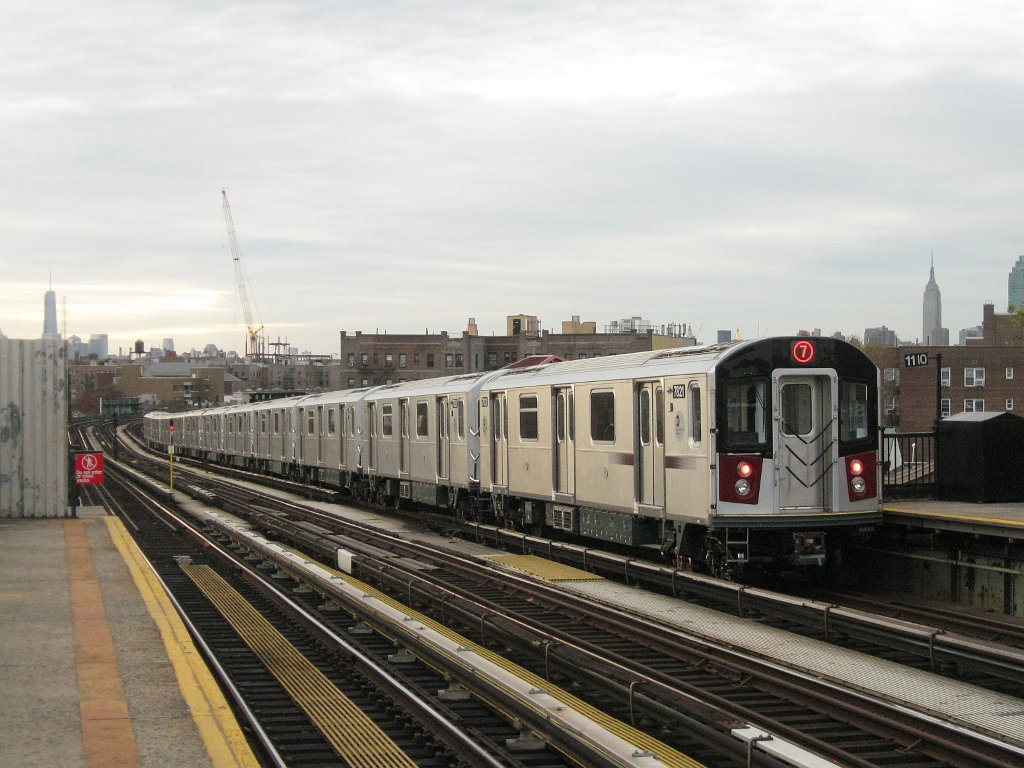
pixel 979 456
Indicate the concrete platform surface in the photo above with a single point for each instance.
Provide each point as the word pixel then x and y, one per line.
pixel 96 668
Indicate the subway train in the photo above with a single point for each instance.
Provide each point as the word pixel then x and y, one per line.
pixel 719 457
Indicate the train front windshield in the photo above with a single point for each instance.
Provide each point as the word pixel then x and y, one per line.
pixel 748 408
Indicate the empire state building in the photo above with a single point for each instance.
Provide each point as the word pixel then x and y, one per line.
pixel 933 334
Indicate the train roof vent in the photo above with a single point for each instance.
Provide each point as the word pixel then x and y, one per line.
pixel 534 360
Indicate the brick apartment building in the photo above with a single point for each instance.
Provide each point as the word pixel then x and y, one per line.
pixel 382 358
pixel 987 374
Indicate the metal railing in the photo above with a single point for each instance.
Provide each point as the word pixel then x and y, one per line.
pixel 908 465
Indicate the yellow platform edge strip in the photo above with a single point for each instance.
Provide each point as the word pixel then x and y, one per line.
pixel 225 743
pixel 548 570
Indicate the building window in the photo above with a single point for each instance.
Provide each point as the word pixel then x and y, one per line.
pixel 602 417
pixel 351 359
pixel 945 377
pixel 1009 373
pixel 389 359
pixel 974 405
pixel 492 359
pixel 528 417
pixel 364 359
pixel 449 360
pixel 974 377
pixel 430 360
pixel 365 383
pixel 583 355
pixel 890 405
pixel 945 406
pixel 351 383
pixel 891 374
pixel 1009 403
pixel 401 360
pixel 458 360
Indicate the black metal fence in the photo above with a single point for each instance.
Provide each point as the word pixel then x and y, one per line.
pixel 908 465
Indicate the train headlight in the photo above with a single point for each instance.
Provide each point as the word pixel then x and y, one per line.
pixel 858 484
pixel 743 487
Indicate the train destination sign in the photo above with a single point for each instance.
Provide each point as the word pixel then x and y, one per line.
pixel 915 359
pixel 89 469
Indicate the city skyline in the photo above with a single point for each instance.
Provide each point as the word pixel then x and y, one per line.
pixel 762 168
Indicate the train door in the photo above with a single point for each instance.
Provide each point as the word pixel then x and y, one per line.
pixel 403 437
pixel 443 437
pixel 649 410
pixel 499 437
pixel 372 438
pixel 319 435
pixel 565 442
pixel 805 440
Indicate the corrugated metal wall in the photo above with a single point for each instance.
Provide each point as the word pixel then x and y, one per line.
pixel 33 428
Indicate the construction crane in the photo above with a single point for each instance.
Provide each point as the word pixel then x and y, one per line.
pixel 254 347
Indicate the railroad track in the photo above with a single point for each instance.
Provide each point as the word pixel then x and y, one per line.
pixel 825 712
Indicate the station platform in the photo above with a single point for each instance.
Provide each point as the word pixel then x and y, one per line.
pixel 98 671
pixel 1004 520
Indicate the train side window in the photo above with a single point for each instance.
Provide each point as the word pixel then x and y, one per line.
pixel 797 416
pixel 854 412
pixel 696 423
pixel 422 420
pixel 602 417
pixel 528 417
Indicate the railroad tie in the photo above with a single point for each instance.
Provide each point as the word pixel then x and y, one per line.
pixel 354 736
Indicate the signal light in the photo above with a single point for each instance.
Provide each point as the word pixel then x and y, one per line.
pixel 857 467
pixel 743 469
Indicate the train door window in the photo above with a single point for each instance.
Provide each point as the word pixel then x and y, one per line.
pixel 853 411
pixel 373 419
pixel 746 404
pixel 572 416
pixel 263 423
pixel 387 428
pixel 350 421
pixel 496 418
pixel 659 415
pixel 459 417
pixel 331 422
pixel 422 420
pixel 602 417
pixel 277 422
pixel 311 422
pixel 797 416
pixel 645 416
pixel 696 423
pixel 528 417
pixel 560 417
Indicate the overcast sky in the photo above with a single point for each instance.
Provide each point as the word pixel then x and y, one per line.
pixel 401 166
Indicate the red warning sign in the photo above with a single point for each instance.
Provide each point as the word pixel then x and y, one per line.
pixel 89 469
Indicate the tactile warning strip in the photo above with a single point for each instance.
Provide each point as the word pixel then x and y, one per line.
pixel 548 570
pixel 354 736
